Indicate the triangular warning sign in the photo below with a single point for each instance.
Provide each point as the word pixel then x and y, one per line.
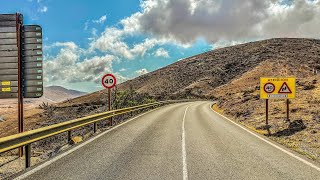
pixel 285 89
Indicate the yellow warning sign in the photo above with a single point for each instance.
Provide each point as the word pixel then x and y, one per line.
pixel 5 83
pixel 277 88
pixel 6 89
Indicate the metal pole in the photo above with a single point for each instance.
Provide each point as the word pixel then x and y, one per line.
pixel 267 117
pixel 69 137
pixel 267 110
pixel 109 105
pixel 20 83
pixel 288 102
pixel 28 155
pixel 115 97
pixel 95 127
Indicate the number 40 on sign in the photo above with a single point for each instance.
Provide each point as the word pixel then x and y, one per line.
pixel 109 81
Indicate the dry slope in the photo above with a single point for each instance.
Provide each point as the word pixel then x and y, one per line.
pixel 197 76
pixel 239 99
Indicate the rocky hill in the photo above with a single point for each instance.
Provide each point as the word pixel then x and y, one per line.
pixel 198 76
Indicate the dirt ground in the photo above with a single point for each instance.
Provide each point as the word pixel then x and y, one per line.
pixel 240 100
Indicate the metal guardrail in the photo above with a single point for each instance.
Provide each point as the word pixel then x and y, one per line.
pixel 26 138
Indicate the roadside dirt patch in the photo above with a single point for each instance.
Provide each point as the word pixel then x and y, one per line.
pixel 240 100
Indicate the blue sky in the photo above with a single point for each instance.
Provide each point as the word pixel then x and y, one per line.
pixel 73 21
pixel 85 39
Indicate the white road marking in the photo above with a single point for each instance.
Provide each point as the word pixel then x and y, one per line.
pixel 28 173
pixel 270 143
pixel 184 153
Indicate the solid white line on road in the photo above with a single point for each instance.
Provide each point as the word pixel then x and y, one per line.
pixel 270 143
pixel 184 153
pixel 28 173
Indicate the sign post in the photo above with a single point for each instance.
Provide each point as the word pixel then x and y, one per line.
pixel 20 84
pixel 20 76
pixel 109 81
pixel 277 88
pixel 267 112
pixel 288 102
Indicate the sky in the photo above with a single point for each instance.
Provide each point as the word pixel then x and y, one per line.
pixel 83 40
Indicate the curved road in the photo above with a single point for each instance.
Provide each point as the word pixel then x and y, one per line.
pixel 180 141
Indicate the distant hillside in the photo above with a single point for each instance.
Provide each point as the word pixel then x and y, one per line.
pixel 59 94
pixel 8 107
pixel 198 76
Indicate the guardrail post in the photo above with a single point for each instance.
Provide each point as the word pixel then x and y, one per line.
pixel 28 155
pixel 95 127
pixel 69 137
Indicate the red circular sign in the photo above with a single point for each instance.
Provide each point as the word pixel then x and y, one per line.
pixel 269 88
pixel 109 81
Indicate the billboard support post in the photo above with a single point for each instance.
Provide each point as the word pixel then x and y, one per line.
pixel 109 81
pixel 20 83
pixel 267 112
pixel 277 88
pixel 109 105
pixel 288 107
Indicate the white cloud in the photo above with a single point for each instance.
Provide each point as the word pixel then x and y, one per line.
pixel 141 48
pixel 161 53
pixel 43 9
pixel 101 20
pixel 301 19
pixel 94 32
pixel 185 21
pixel 68 66
pixel 142 71
pixel 86 25
pixel 112 40
pixel 68 45
pixel 123 70
pixel 224 43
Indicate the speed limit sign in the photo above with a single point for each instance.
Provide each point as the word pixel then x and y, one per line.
pixel 109 81
pixel 269 88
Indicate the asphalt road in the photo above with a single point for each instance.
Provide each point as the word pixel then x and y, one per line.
pixel 179 141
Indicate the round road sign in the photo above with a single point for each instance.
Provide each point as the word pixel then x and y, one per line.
pixel 109 81
pixel 269 88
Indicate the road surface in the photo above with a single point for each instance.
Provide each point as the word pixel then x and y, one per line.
pixel 179 141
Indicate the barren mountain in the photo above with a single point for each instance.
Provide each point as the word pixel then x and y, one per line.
pixel 198 76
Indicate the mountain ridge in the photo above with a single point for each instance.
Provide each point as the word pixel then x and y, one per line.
pixel 197 76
